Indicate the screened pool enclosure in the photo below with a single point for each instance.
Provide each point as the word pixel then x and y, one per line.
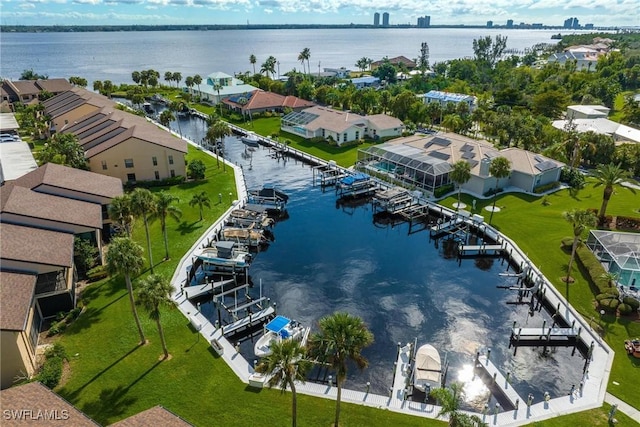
pixel 619 252
pixel 406 163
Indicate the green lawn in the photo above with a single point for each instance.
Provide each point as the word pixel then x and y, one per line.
pixel 538 230
pixel 111 377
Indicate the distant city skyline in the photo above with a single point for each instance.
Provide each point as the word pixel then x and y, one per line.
pixel 621 13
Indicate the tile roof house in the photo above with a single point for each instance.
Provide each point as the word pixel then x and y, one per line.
pixel 219 86
pixel 425 162
pixel 259 101
pixel 36 404
pixel 395 61
pixel 341 126
pixel 156 416
pixel 117 143
pixel 28 90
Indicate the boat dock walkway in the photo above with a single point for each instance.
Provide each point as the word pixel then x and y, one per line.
pixel 545 336
pixel 497 381
pixel 474 250
pixel 206 288
pixel 402 373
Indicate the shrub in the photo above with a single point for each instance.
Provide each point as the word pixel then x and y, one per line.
pixel 73 314
pixel 442 190
pixel 97 273
pixel 179 179
pixel 51 371
pixel 624 309
pixel 632 302
pixel 546 187
pixel 493 191
pixel 604 296
pixel 609 304
pixel 572 177
pixel 196 169
pixel 595 272
pixel 57 327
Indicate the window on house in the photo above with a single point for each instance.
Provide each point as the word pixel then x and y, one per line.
pixel 155 160
pixel 170 160
pixel 104 165
pixel 128 163
pixel 357 134
pixel 323 133
pixel 345 137
pixel 157 174
pixel 131 177
pixel 173 173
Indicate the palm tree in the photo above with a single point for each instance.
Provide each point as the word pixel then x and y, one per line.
pixel 120 211
pixel 341 339
pixel 217 88
pixel 304 56
pixel 449 400
pixel 286 364
pixel 452 122
pixel 188 82
pixel 164 209
pixel 499 168
pixel 197 79
pixel 153 293
pixel 124 256
pixel 143 205
pixel 460 174
pixel 168 76
pixel 302 59
pixel 177 77
pixel 269 66
pixel 166 117
pixel 216 132
pixel 580 220
pixel 252 61
pixel 177 106
pixel 200 199
pixel 608 176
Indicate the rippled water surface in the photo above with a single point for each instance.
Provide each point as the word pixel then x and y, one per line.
pixel 328 257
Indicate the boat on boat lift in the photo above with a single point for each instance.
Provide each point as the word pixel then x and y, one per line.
pixel 278 330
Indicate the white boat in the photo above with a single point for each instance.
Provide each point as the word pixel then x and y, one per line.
pixel 279 329
pixel 427 369
pixel 250 139
pixel 224 255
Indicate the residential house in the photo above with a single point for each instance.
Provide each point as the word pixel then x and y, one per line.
pixel 340 73
pixel 260 101
pixel 41 213
pixel 396 61
pixel 444 98
pixel 365 81
pixel 117 143
pixel 585 57
pixel 340 126
pixel 587 111
pixel 26 91
pixel 19 328
pixel 593 118
pixel 219 86
pixel 424 162
pixel 16 159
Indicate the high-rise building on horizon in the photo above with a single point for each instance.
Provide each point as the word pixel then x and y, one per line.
pixel 571 23
pixel 376 19
pixel 424 21
pixel 385 19
pixel 489 24
pixel 509 23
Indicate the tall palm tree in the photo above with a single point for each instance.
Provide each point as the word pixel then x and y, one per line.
pixel 449 400
pixel 499 168
pixel 124 256
pixel 460 174
pixel 286 364
pixel 200 199
pixel 252 61
pixel 608 176
pixel 163 210
pixel 269 66
pixel 197 79
pixel 341 339
pixel 580 220
pixel 176 107
pixel 217 88
pixel 216 132
pixel 177 77
pixel 166 117
pixel 120 211
pixel 302 60
pixel 143 206
pixel 154 292
pixel 168 76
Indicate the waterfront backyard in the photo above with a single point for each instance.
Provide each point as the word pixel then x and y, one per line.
pixel 110 380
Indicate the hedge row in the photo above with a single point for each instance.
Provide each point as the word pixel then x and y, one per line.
pixel 51 371
pixel 595 272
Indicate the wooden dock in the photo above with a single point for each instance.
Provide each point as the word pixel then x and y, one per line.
pixel 545 336
pixel 446 227
pixel 206 288
pixel 248 321
pixel 480 250
pixel 497 382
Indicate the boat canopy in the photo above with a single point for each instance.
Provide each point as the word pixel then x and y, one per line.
pixel 352 179
pixel 428 365
pixel 277 324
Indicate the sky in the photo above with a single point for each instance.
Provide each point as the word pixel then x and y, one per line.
pixel 209 12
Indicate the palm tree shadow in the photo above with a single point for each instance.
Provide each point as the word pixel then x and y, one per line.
pixel 186 228
pixel 113 402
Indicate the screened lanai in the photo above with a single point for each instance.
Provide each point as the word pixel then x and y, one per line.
pixel 408 164
pixel 620 252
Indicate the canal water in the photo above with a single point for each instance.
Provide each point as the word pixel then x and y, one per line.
pixel 329 257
